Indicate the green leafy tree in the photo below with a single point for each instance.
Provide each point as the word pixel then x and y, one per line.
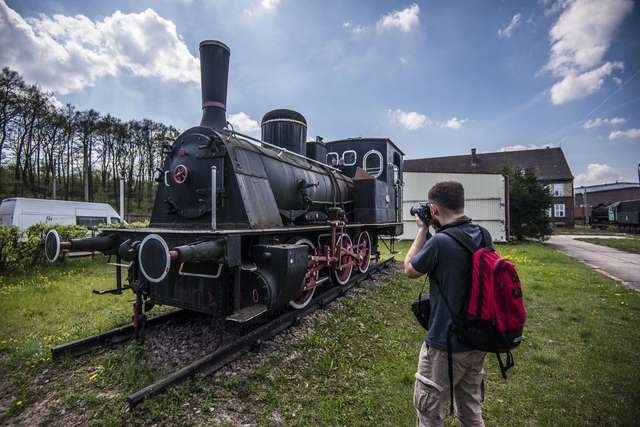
pixel 529 201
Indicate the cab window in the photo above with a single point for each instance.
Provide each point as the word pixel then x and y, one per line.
pixel 349 158
pixel 372 163
pixel 332 159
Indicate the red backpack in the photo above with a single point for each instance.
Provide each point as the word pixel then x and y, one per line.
pixel 493 315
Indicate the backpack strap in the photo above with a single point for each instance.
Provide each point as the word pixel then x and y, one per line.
pixel 462 238
pixel 450 368
pixel 487 241
pixel 506 365
pixel 465 241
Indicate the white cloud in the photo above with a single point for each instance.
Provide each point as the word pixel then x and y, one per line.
pixel 409 120
pixel 602 121
pixel 554 6
pixel 56 102
pixel 579 39
pixel 243 123
pixel 412 120
pixel 598 173
pixel 355 29
pixel 583 32
pixel 625 134
pixel 520 147
pixel 67 53
pixel 270 4
pixel 404 19
pixel 261 7
pixel 576 86
pixel 506 31
pixel 454 123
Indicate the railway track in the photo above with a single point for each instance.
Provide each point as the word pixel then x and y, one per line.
pixel 217 359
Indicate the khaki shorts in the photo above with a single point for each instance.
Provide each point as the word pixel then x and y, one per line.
pixel 431 392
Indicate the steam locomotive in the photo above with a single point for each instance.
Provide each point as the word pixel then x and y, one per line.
pixel 240 226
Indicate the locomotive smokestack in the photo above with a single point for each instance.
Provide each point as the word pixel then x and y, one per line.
pixel 214 72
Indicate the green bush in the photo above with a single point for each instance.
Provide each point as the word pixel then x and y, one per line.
pixel 136 224
pixel 22 250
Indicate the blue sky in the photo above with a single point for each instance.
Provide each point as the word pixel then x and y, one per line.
pixel 437 77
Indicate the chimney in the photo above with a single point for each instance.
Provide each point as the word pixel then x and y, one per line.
pixel 474 157
pixel 214 74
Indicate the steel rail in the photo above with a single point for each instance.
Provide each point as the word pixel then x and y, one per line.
pixel 105 339
pixel 221 357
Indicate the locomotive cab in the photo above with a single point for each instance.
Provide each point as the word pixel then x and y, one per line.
pixel 376 166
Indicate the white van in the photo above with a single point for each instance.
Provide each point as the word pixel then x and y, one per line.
pixel 24 212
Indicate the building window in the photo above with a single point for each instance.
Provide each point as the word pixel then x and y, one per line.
pixel 558 190
pixel 548 212
pixel 558 210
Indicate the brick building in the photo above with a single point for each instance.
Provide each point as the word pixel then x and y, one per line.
pixel 549 165
pixel 605 194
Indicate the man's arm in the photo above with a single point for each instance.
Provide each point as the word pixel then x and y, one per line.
pixel 417 244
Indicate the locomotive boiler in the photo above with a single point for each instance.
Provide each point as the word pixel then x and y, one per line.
pixel 243 226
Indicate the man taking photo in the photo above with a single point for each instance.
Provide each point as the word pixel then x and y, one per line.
pixel 447 263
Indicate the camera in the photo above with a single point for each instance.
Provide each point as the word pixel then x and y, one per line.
pixel 422 211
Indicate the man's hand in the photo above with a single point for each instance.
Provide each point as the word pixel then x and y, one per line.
pixel 418 243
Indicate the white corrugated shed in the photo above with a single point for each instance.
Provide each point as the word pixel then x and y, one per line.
pixel 484 199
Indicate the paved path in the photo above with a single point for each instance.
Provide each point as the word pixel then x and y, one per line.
pixel 619 265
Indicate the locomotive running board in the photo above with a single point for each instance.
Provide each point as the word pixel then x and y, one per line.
pixel 245 314
pixel 221 357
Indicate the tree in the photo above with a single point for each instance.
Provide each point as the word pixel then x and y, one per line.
pixel 40 142
pixel 529 201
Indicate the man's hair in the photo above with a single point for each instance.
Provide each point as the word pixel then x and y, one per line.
pixel 448 195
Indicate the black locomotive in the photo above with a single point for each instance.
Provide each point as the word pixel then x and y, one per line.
pixel 599 216
pixel 241 226
pixel 624 215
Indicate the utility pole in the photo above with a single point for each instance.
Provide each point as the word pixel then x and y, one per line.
pixel 586 209
pixel 122 199
pixel 53 178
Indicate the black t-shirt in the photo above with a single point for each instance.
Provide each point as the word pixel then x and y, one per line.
pixel 448 265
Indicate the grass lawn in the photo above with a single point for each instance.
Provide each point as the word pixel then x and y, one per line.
pixel 353 365
pixel 627 244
